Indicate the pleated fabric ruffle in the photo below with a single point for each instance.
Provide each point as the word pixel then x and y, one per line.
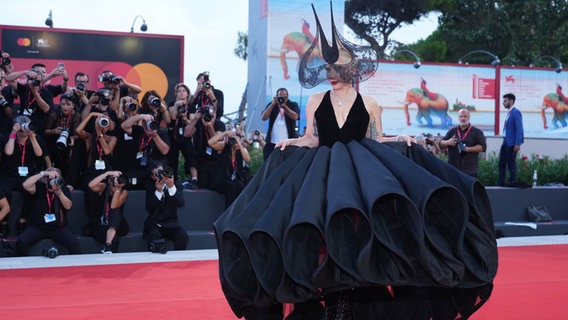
pixel 365 214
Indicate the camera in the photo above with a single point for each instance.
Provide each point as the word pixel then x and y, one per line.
pixel 206 85
pixel 62 140
pixel 6 61
pixel 122 179
pixel 182 108
pixel 35 82
pixel 166 172
pixel 81 87
pixel 111 78
pixel 132 106
pixel 59 181
pixel 206 76
pixel 205 112
pixel 152 125
pixel 103 95
pixel 28 126
pixel 50 253
pixel 461 147
pixel 281 100
pixel 155 102
pixel 4 103
pixel 232 141
pixel 158 246
pixel 104 122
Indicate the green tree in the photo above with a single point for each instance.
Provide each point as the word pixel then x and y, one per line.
pixel 519 32
pixel 241 51
pixel 375 20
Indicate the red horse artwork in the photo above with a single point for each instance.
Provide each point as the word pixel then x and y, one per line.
pixel 428 103
pixel 558 103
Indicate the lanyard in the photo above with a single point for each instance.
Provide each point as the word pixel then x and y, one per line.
pixel 49 200
pixel 66 126
pixel 204 99
pixel 144 143
pixel 23 151
pixel 465 134
pixel 99 149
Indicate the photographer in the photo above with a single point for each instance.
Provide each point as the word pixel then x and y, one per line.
pixel 100 102
pixel 149 144
pixel 152 104
pixel 464 143
pixel 106 213
pixel 99 143
pixel 282 115
pixel 181 113
pixel 206 94
pixel 233 173
pixel 6 115
pixel 81 91
pixel 201 128
pixel 163 197
pixel 118 84
pixel 61 137
pixel 36 96
pixel 51 202
pixel 23 157
pixel 4 210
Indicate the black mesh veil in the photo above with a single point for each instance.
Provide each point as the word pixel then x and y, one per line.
pixel 352 63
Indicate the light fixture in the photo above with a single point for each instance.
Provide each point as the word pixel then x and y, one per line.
pixel 417 62
pixel 494 63
pixel 143 27
pixel 49 20
pixel 558 63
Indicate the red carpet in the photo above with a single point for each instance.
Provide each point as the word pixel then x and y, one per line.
pixel 531 284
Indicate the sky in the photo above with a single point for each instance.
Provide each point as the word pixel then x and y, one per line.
pixel 209 27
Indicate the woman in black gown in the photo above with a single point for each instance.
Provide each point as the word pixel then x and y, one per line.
pixel 344 227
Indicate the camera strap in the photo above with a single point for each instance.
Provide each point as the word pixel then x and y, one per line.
pixel 465 134
pixel 144 143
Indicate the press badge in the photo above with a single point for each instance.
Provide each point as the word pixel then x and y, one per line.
pixel 127 137
pixel 180 131
pixel 49 217
pixel 209 151
pixel 23 171
pixel 99 165
pixel 144 161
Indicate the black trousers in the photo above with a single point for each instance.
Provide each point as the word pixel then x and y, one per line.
pixel 33 234
pixel 177 235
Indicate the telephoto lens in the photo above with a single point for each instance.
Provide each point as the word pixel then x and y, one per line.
pixel 62 140
pixel 59 181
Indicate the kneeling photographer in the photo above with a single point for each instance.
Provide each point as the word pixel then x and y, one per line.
pixel 163 197
pixel 48 215
pixel 464 143
pixel 107 212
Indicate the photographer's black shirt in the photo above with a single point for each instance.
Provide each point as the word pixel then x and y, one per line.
pixel 48 202
pixel 10 164
pixel 465 162
pixel 30 107
pixel 200 139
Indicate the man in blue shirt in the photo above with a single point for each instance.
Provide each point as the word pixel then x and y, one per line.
pixel 514 137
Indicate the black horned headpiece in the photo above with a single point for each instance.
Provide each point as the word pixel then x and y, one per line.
pixel 351 63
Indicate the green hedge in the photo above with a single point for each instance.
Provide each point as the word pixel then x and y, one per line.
pixel 549 170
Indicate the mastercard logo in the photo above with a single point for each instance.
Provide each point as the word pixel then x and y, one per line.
pixel 24 42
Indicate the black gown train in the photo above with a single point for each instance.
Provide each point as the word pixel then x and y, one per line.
pixel 405 235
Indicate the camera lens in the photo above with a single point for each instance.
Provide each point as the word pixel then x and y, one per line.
pixel 281 100
pixel 232 141
pixel 81 87
pixel 152 125
pixel 122 179
pixel 6 61
pixel 62 140
pixel 132 106
pixel 207 85
pixel 104 122
pixel 36 83
pixel 4 103
pixel 154 102
pixel 28 126
pixel 256 133
pixel 57 181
